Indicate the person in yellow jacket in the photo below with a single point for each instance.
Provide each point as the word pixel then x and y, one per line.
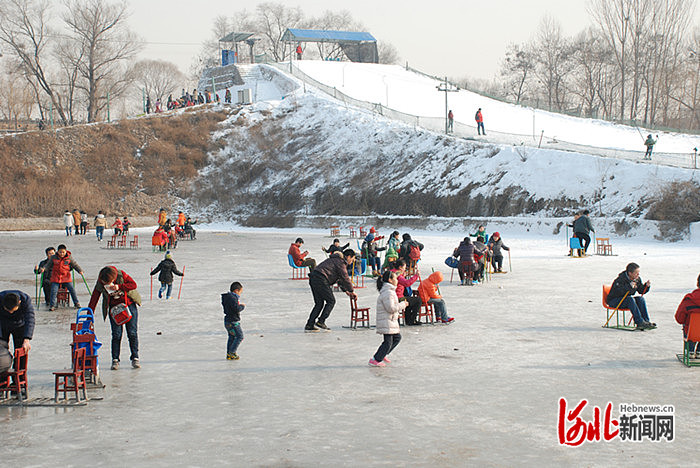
pixel 162 217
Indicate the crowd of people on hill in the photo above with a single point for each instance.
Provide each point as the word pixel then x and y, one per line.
pixel 188 99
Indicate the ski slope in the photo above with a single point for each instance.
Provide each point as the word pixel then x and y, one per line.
pixel 405 91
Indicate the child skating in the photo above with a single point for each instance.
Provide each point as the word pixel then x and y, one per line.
pixel 388 309
pixel 231 301
pixel 166 268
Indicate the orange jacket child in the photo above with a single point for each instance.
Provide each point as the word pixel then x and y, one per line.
pixel 428 292
pixel 296 254
pixel 428 287
pixel 181 219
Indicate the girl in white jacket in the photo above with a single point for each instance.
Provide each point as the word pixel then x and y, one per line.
pixel 388 308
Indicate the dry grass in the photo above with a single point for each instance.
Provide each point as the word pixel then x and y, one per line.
pixel 98 166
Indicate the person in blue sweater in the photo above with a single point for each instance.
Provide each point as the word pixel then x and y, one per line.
pixel 232 319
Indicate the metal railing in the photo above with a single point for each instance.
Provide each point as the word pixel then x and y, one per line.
pixel 467 131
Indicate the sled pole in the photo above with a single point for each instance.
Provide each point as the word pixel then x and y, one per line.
pixel 36 284
pixel 149 274
pixel 615 311
pixel 181 278
pixel 42 287
pixel 438 287
pixel 86 285
pixel 510 265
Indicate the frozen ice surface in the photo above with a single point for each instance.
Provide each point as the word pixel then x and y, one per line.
pixel 482 391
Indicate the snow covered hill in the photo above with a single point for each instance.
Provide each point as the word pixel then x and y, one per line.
pixel 395 87
pixel 311 155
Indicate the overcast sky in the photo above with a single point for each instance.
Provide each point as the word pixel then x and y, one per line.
pixel 454 38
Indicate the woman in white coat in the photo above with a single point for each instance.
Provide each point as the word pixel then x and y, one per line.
pixel 388 308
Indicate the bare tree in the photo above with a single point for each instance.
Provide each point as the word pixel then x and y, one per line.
pixel 552 52
pixel 159 78
pixel 388 54
pixel 106 44
pixel 24 29
pixel 333 21
pixel 613 17
pixel 16 97
pixel 273 21
pixel 517 69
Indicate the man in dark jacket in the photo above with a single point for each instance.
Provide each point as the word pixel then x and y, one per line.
pixel 45 278
pixel 649 143
pixel 16 319
pixel 689 305
pixel 582 226
pixel 627 284
pixel 465 253
pixel 405 249
pixel 330 271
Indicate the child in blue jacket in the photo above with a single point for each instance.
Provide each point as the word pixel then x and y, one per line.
pixel 232 319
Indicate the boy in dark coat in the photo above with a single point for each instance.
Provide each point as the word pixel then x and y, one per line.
pixel 166 268
pixel 231 301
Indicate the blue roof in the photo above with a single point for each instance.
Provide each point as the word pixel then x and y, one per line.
pixel 316 35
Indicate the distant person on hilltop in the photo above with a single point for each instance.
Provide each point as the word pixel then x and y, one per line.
pixel 227 96
pixel 299 51
pixel 479 122
pixel 450 121
pixel 148 104
pixel 649 143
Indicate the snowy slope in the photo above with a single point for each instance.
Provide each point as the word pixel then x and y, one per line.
pixel 395 87
pixel 309 154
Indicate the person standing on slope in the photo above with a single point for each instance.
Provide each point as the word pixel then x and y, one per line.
pixel 479 122
pixel 649 143
pixel 450 121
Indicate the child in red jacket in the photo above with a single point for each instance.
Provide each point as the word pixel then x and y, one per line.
pixel 689 305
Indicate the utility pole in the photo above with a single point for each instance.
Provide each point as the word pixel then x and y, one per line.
pixel 446 88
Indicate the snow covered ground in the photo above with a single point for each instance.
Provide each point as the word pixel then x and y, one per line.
pixel 395 87
pixel 482 391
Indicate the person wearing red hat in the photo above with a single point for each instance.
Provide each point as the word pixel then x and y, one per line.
pixel 495 245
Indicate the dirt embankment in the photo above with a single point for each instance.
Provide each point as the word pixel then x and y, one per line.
pixel 131 167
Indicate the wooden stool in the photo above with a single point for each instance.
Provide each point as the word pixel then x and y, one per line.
pixel 16 379
pixel 73 380
pixel 358 315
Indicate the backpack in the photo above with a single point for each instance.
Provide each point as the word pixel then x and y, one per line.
pixel 414 252
pixel 451 262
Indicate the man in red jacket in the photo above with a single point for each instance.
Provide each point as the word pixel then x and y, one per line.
pixel 58 269
pixel 479 122
pixel 299 257
pixel 689 305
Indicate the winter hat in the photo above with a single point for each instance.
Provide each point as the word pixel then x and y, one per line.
pixel 391 253
pixel 168 255
pixel 372 230
pixel 370 237
pixel 496 234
